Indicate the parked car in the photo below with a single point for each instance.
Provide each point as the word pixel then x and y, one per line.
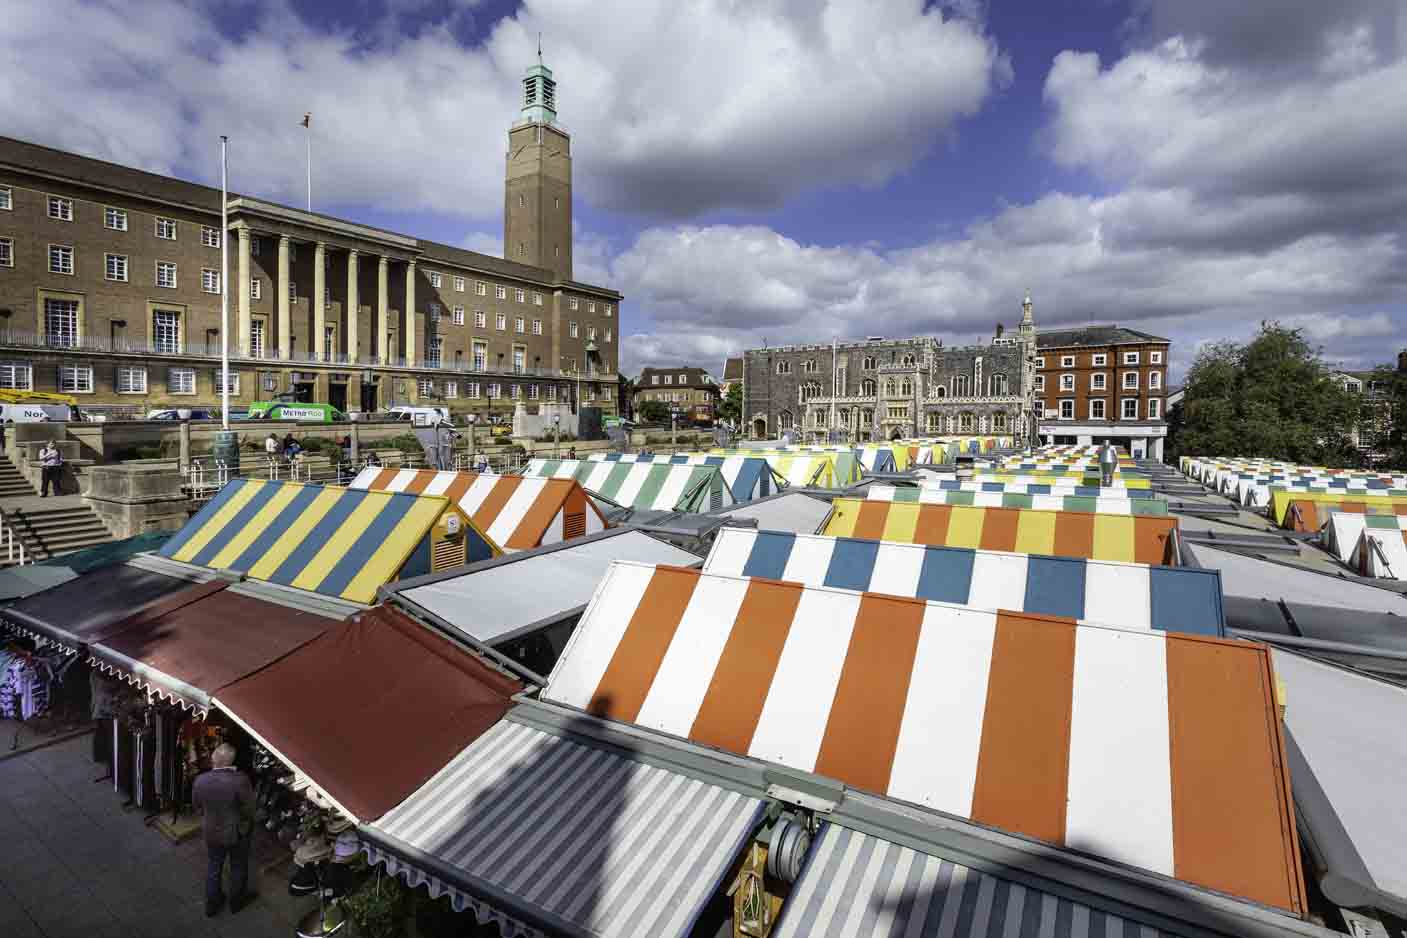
pixel 36 407
pixel 180 413
pixel 421 416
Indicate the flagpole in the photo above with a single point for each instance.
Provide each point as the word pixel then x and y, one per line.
pixel 224 287
pixel 308 124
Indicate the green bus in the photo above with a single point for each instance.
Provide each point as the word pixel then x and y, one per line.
pixel 291 410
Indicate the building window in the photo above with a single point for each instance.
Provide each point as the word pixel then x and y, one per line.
pixel 458 284
pixel 501 321
pixel 1096 382
pixel 327 298
pixel 533 392
pixel 1096 409
pixel 481 357
pixel 1155 408
pixel 996 385
pixel 180 381
pixel 1130 408
pixel 1040 361
pixel 482 289
pixel 1130 358
pixel 292 292
pixel 256 338
pixel 166 275
pixel 537 327
pixel 607 308
pixel 520 325
pixel 1067 361
pixel 209 280
pixel 906 387
pixel 7 252
pixel 217 382
pixel 966 423
pixel 61 323
pixel 1130 381
pixel 254 246
pixel 1100 360
pixel 571 303
pixel 451 390
pixel 471 390
pixel 427 387
pixel 481 319
pixel 1155 358
pixel 166 229
pixel 869 387
pixel 1040 409
pixel 607 336
pixel 591 306
pixel 1040 382
pixel 809 366
pixel 537 299
pixel 940 391
pixel 269 382
pixel 115 266
pixel 494 392
pixel 669 379
pixel 166 332
pixel 131 379
pixel 435 278
pixel 572 330
pixel 62 209
pixel 520 359
pixel 76 379
pixel 1067 410
pixel 962 386
pixel 434 312
pixel 433 350
pixel 500 291
pixel 520 295
pixel 1067 382
pixel 785 420
pixel 591 337
pixel 16 376
pixel 329 342
pixel 1155 380
pixel 60 259
pixel 210 237
pixel 457 316
pixel 256 288
pixel 6 198
pixel 115 219
pixel 515 391
pixel 783 367
pixel 999 422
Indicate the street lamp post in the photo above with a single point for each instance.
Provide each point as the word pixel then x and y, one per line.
pixel 473 443
pixel 673 430
pixel 556 434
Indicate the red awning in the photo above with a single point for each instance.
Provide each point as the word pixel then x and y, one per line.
pixel 372 708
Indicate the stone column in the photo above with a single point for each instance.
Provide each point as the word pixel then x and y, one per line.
pixel 353 309
pixel 285 322
pixel 242 320
pixel 383 307
pixel 319 303
pixel 409 330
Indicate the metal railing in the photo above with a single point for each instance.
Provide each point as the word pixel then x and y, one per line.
pixel 15 552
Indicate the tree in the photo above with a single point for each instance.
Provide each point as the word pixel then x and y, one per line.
pixel 1271 397
pixel 653 412
pixel 731 407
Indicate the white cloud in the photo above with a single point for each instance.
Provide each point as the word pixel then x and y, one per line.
pixel 797 95
pixel 1327 327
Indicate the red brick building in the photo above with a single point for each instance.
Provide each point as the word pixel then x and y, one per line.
pixel 1103 382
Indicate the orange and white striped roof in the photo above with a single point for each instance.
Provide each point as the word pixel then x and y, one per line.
pixel 516 513
pixel 1154 749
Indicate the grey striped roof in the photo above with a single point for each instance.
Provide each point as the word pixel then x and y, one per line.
pixel 577 834
pixel 859 886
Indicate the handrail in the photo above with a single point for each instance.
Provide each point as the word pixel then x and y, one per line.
pixel 11 537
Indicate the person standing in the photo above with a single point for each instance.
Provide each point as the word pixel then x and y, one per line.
pixel 271 445
pixel 50 467
pixel 227 800
pixel 1108 462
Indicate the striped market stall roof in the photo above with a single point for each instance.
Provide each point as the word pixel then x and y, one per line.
pixel 976 480
pixel 1119 503
pixel 1253 493
pixel 859 886
pixel 1177 599
pixel 1156 749
pixel 948 482
pixel 335 541
pixel 1150 539
pixel 749 477
pixel 1342 534
pixel 659 486
pixel 567 837
pixel 1307 516
pixel 1280 499
pixel 516 513
pixel 816 469
pixel 1121 480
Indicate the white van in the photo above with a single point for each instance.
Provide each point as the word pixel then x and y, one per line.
pixel 421 416
pixel 34 413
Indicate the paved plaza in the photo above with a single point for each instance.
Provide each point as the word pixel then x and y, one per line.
pixel 75 863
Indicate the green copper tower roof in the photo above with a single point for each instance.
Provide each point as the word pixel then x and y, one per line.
pixel 539 94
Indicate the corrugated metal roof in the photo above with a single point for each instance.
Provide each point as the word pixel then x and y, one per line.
pixel 573 834
pixel 1249 578
pixel 501 599
pixel 662 487
pixel 1174 599
pixel 514 512
pixel 1109 504
pixel 1154 749
pixel 320 538
pixel 859 886
pixel 788 511
pixel 1137 538
pixel 749 477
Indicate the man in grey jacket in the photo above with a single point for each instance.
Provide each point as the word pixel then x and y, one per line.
pixel 227 798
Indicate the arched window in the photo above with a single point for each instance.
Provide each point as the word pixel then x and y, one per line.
pixel 962 386
pixel 906 387
pixel 866 417
pixel 809 366
pixel 909 360
pixel 889 388
pixel 810 389
pixel 868 363
pixel 940 391
pixel 843 415
pixel 868 388
pixel 998 422
pixel 785 420
pixel 996 385
pixel 935 422
pixel 818 418
pixel 966 423
pixel 783 367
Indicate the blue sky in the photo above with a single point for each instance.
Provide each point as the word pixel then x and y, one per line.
pixel 793 170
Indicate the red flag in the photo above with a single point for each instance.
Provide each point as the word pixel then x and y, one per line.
pixel 308 120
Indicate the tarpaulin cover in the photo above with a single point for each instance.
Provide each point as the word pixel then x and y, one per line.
pixel 84 610
pixel 511 511
pixel 1177 599
pixel 1136 538
pixel 658 486
pixel 1156 749
pixel 748 476
pixel 205 637
pixel 1342 534
pixel 1306 516
pixel 1114 504
pixel 372 708
pixel 1280 499
pixel 324 539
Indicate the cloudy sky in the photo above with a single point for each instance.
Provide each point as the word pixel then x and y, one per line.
pixel 785 170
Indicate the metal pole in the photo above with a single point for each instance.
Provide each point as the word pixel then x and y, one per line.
pixel 309 125
pixel 834 390
pixel 224 287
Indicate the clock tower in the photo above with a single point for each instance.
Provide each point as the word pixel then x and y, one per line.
pixel 537 210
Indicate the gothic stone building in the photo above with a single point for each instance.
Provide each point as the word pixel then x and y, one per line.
pixel 883 389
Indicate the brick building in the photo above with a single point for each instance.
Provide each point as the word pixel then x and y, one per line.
pixel 882 389
pixel 110 290
pixel 1098 383
pixel 691 391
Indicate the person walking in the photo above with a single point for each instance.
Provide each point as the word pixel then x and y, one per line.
pixel 1108 462
pixel 51 465
pixel 226 798
pixel 271 445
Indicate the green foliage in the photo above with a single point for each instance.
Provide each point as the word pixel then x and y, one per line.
pixel 653 412
pixel 379 908
pixel 731 407
pixel 1271 397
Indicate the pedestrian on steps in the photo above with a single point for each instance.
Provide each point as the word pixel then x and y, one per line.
pixel 51 465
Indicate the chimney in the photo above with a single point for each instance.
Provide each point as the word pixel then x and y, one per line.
pixel 1402 360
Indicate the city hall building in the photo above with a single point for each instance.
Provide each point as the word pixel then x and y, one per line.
pixel 110 289
pixel 882 389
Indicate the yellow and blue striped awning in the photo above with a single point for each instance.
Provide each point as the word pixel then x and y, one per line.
pixel 335 541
